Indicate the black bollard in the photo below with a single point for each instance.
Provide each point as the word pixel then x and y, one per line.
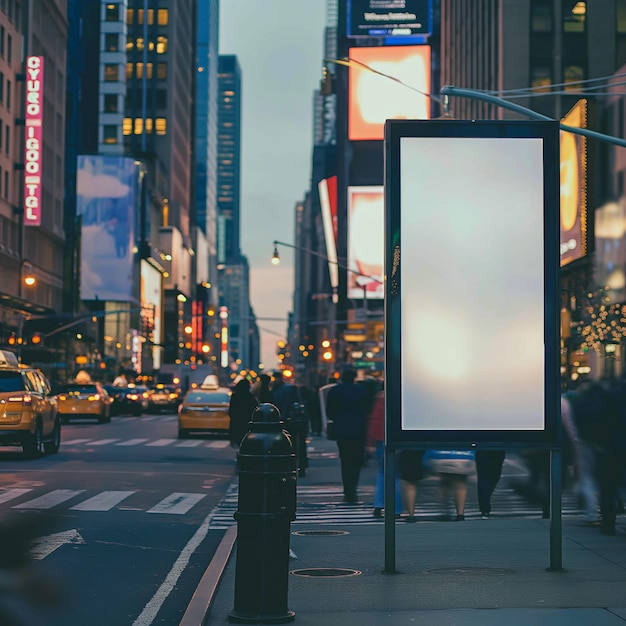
pixel 297 425
pixel 266 465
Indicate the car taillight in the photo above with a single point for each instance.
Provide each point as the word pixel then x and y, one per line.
pixel 133 396
pixel 93 398
pixel 173 396
pixel 144 395
pixel 25 398
pixel 63 397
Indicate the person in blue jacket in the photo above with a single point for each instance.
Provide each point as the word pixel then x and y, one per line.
pixel 347 406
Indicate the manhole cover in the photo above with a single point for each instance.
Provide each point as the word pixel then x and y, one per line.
pixel 325 572
pixel 320 533
pixel 470 571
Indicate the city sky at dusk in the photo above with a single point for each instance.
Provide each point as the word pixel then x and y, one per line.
pixel 279 44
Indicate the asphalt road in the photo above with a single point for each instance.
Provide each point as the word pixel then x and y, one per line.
pixel 127 510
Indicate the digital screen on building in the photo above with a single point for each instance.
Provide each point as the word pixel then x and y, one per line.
pixel 472 309
pixel 152 308
pixel 33 141
pixel 366 242
pixel 107 202
pixel 574 186
pixel 388 18
pixel 327 189
pixel 375 97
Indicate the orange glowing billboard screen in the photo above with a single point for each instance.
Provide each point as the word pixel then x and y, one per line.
pixel 374 98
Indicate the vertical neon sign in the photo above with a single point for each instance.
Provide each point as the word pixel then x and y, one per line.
pixel 224 338
pixel 33 141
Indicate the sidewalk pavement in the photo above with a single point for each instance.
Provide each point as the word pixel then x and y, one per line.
pixel 477 572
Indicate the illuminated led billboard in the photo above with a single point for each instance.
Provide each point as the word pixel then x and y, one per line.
pixel 574 186
pixel 152 308
pixel 107 202
pixel 472 264
pixel 328 202
pixel 33 141
pixel 388 18
pixel 366 242
pixel 373 98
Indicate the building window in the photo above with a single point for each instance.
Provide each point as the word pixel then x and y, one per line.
pixel 110 103
pixel 1 87
pixel 574 16
pixel 163 17
pixel 161 99
pixel 111 42
pixel 7 191
pixel 109 134
pixel 161 126
pixel 541 16
pixel 162 71
pixel 540 76
pixel 127 126
pixel 161 45
pixel 7 139
pixel 150 16
pixel 1 40
pixel 111 72
pixel 573 74
pixel 9 95
pixel 9 49
pixel 112 12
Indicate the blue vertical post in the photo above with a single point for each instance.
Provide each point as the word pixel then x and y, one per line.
pixel 390 507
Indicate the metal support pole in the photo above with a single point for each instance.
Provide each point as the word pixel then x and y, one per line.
pixel 556 522
pixel 390 507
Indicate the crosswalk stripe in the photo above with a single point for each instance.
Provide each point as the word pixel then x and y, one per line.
pixel 49 500
pixel 218 444
pixel 103 501
pixel 73 442
pixel 189 443
pixel 11 494
pixel 102 442
pixel 131 442
pixel 161 442
pixel 177 503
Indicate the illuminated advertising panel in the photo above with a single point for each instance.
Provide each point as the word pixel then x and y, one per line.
pixel 574 186
pixel 388 18
pixel 373 99
pixel 328 201
pixel 107 202
pixel 33 142
pixel 472 266
pixel 152 308
pixel 366 242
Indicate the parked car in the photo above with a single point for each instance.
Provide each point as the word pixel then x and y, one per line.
pixel 204 410
pixel 84 400
pixel 28 408
pixel 164 398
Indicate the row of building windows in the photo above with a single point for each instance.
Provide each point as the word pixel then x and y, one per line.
pixel 113 13
pixel 6 45
pixel 112 71
pixel 12 9
pixel 110 132
pixel 112 43
pixel 5 91
pixel 112 100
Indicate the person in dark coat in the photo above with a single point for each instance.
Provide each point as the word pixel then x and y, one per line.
pixel 242 405
pixel 284 394
pixel 263 391
pixel 347 405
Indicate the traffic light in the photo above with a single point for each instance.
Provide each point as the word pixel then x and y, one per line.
pixel 327 353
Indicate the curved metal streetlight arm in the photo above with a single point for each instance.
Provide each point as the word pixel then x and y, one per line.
pixel 473 94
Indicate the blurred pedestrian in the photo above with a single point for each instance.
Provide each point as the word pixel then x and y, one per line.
pixel 242 405
pixel 314 411
pixel 285 395
pixel 262 389
pixel 347 406
pixel 410 471
pixel 488 471
pixel 375 445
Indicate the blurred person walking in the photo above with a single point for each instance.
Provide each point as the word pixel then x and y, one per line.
pixel 347 406
pixel 284 395
pixel 262 389
pixel 488 471
pixel 411 472
pixel 242 405
pixel 375 445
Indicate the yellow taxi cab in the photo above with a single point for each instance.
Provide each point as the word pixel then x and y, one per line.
pixel 204 409
pixel 28 408
pixel 84 400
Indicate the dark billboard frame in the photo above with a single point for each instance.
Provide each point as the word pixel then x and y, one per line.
pixel 545 433
pixel 357 9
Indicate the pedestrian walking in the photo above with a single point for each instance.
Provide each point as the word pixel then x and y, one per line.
pixel 262 389
pixel 410 471
pixel 375 445
pixel 285 395
pixel 347 406
pixel 488 471
pixel 242 405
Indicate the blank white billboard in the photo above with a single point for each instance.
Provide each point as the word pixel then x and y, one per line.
pixel 472 283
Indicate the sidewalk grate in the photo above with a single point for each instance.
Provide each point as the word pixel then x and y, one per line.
pixel 325 572
pixel 320 533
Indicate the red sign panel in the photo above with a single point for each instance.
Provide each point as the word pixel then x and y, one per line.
pixel 33 147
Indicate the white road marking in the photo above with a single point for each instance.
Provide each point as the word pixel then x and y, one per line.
pixel 103 442
pixel 11 494
pixel 218 444
pixel 104 501
pixel 49 500
pixel 131 442
pixel 190 443
pixel 177 503
pixel 151 609
pixel 44 546
pixel 161 442
pixel 73 442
